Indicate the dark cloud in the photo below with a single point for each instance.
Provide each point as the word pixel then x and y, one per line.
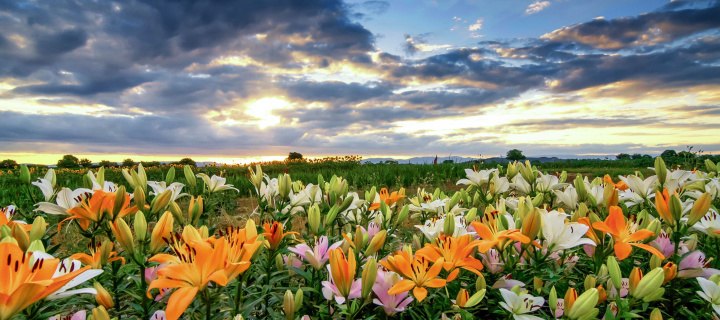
pixel 337 91
pixel 456 97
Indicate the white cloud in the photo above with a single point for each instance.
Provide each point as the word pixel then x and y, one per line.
pixel 537 6
pixel 477 25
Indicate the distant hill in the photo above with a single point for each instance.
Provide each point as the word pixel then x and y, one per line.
pixel 428 160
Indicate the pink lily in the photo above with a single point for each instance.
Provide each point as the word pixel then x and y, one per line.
pixel 391 303
pixel 624 289
pixel 491 260
pixel 506 282
pixel 80 315
pixel 317 256
pixel 330 290
pixel 694 265
pixel 151 274
pixel 158 315
pixel 559 308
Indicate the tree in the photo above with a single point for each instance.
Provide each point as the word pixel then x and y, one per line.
pixel 107 164
pixel 8 164
pixel 128 163
pixel 668 154
pixel 636 156
pixel 68 161
pixel 148 164
pixel 188 162
pixel 515 154
pixel 294 156
pixel 85 163
pixel 623 156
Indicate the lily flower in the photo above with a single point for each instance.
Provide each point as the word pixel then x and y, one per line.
pixel 66 199
pixel 80 315
pixel 710 292
pixel 319 254
pixel 489 230
pixel 507 282
pixel 151 275
pixel 68 266
pixel 491 260
pixel 391 303
pixel 417 272
pixel 694 265
pixel 561 235
pixel 520 305
pixel 100 255
pixel 569 197
pixel 385 196
pixel 455 252
pixel 193 266
pixel 28 278
pixel 476 178
pixel 6 215
pixel 216 183
pixel 549 182
pixel 520 184
pixel 274 233
pixel 342 284
pixel 640 186
pixel 621 185
pixel 46 187
pixel 160 187
pixel 625 234
pixel 709 223
pixel 242 244
pixel 95 208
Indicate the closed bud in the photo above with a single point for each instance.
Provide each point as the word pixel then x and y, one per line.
pixel 105 252
pixel 123 235
pixel 656 314
pixel 205 233
pixel 537 284
pixel 358 239
pixel 368 276
pixel 330 217
pixel 715 278
pixel 50 176
pixel 190 176
pixel 512 170
pixel 36 245
pixel 170 176
pixel 649 284
pixel 538 200
pixel 603 273
pixel 103 297
pixel 22 237
pixel 655 262
pixel 346 203
pixel 279 262
pixel 563 176
pixel 635 276
pixel 675 206
pixel 37 231
pixel 570 298
pixel 376 243
pixel 416 243
pixel 161 232
pixel 610 196
pixel 177 213
pixel 691 242
pixel 699 208
pixel 531 224
pixel 161 201
pixel 670 270
pixel 140 226
pixel 470 215
pixel 10 240
pixel 590 282
pixel 87 182
pixel 5 231
pixel 480 283
pixel 449 226
pixel 602 294
pixel 140 201
pixel 119 201
pixel 580 188
pixel 404 212
pixel 24 174
pixel 196 209
pixel 314 219
pixel 100 313
pixel 655 227
pixel 475 299
pixel 552 299
pixel 660 170
pixel 370 195
pixel 299 295
pixel 289 305
pixel 454 201
pixel 583 304
pixel 581 212
pixel 462 298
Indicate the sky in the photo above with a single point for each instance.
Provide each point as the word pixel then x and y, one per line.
pixel 230 81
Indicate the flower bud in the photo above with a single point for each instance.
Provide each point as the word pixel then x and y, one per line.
pixel 105 251
pixel 22 237
pixel 404 212
pixel 699 208
pixel 376 243
pixel 103 297
pixel 649 284
pixel 531 224
pixel 100 313
pixel 314 219
pixel 123 235
pixel 470 215
pixel 610 196
pixel 170 176
pixel 603 273
pixel 655 262
pixel 581 212
pixel 655 227
pixel 580 188
pixel 140 201
pixel 161 231
pixel 36 245
pixel 119 201
pixel 537 284
pixel 570 298
pixel 670 272
pixel 583 305
pixel 475 299
pixel 660 170
pixel 5 231
pixel 462 298
pixel 590 282
pixel 161 201
pixel 37 231
pixel 299 295
pixel 280 262
pixel 190 176
pixel 480 283
pixel 691 242
pixel 675 206
pixel 332 214
pixel 449 225
pixel 602 294
pixel 656 314
pixel 552 299
pixel 289 305
pixel 369 275
pixel 635 276
pixel 52 177
pixel 140 226
pixel 24 174
pixel 615 274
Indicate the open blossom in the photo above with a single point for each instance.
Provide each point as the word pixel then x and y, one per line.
pixel 708 223
pixel 319 254
pixel 694 265
pixel 417 271
pixel 216 183
pixel 476 178
pixel 80 315
pixel 521 305
pixel 342 285
pixel 491 260
pixel 46 188
pixel 391 303
pixel 710 292
pixel 561 235
pixel 160 187
pixel 66 199
pixel 643 188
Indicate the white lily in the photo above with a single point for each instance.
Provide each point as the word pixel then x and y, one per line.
pixel 710 292
pixel 66 199
pixel 160 187
pixel 548 182
pixel 500 184
pixel 520 305
pixel 69 265
pixel 50 176
pixel 642 187
pixel 708 223
pixel 519 184
pixel 297 202
pixel 569 197
pixel 476 178
pixel 561 235
pixel 46 188
pixel 107 187
pixel 216 183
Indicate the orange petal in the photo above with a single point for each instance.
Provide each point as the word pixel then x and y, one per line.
pixel 639 235
pixel 615 220
pixel 453 275
pixel 436 283
pixel 650 249
pixel 483 231
pixel 420 293
pixel 179 301
pixel 622 250
pixel 403 285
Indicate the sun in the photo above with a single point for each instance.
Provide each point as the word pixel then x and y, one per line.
pixel 262 110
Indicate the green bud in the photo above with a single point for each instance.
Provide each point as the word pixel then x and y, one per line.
pixel 643 219
pixel 161 201
pixel 454 201
pixel 190 176
pixel 615 274
pixel 37 231
pixel 656 314
pixel 346 203
pixel 24 174
pixel 584 304
pixel 676 207
pixel 710 166
pixel 314 219
pixel 552 300
pixel 332 214
pixel 140 226
pixel 480 283
pixel 36 245
pixel 649 284
pixel 289 305
pixel 404 212
pixel 471 214
pixel 119 202
pixel 170 176
pixel 660 170
pixel 475 298
pixel 654 226
pixel 449 226
pixel 369 274
pixel 5 231
pixel 655 262
pixel 590 282
pixel 87 182
pixel 580 188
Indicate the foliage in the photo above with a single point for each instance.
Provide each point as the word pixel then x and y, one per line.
pixel 68 161
pixel 187 161
pixel 107 164
pixel 8 164
pixel 128 163
pixel 294 156
pixel 85 163
pixel 515 155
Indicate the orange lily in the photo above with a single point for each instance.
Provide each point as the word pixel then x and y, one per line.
pixel 342 270
pixel 27 279
pixel 487 228
pixel 274 233
pixel 662 203
pixel 387 197
pixel 456 253
pixel 242 245
pixel 417 272
pixel 94 209
pixel 625 234
pixel 193 266
pixel 621 185
pixel 100 255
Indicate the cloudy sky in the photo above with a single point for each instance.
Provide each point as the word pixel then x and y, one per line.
pixel 238 79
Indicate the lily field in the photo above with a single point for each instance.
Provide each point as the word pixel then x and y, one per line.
pixel 339 240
